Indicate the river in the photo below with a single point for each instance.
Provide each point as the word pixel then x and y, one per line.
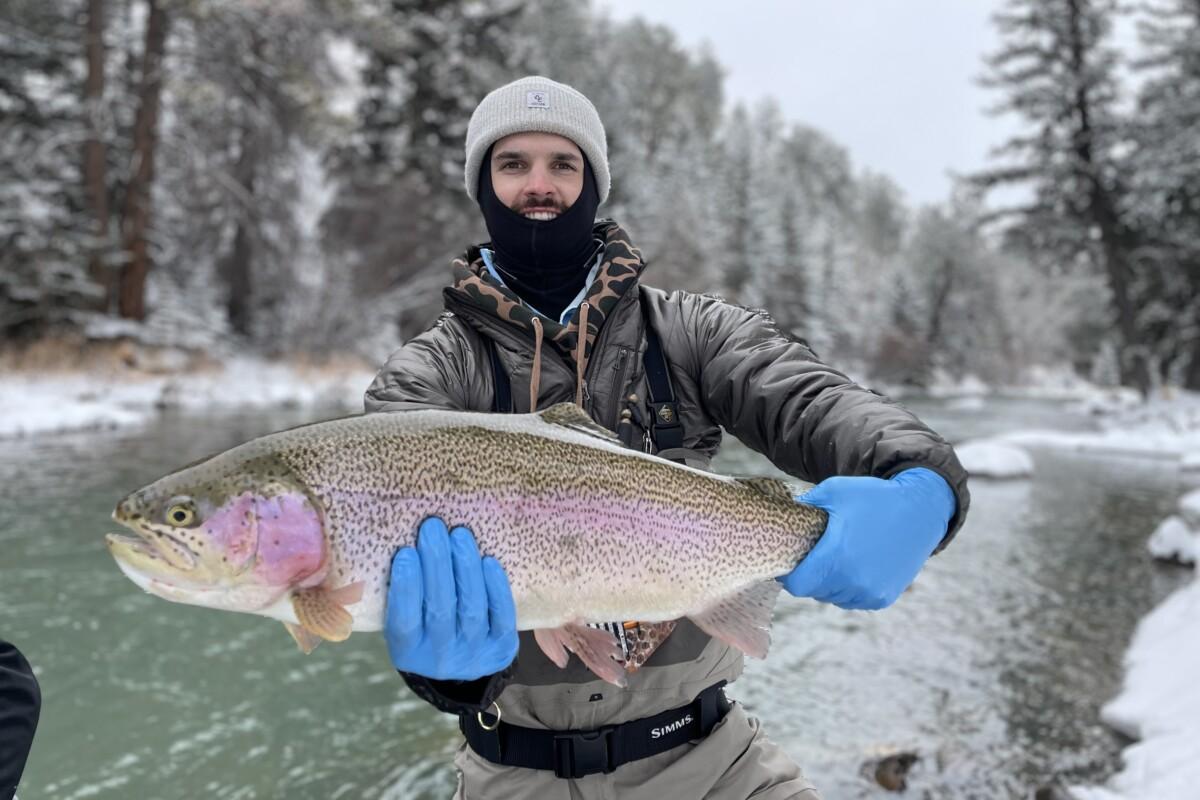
pixel 991 668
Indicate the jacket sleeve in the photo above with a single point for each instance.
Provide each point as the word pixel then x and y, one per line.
pixel 432 371
pixel 771 391
pixel 20 705
pixel 460 697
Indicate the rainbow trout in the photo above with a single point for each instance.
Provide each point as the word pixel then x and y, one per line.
pixel 301 526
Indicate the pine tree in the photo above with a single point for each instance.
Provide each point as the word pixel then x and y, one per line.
pixel 1166 186
pixel 1057 71
pixel 401 209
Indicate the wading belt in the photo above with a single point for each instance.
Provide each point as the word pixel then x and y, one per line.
pixel 574 754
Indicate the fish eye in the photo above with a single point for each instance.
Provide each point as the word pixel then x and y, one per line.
pixel 181 514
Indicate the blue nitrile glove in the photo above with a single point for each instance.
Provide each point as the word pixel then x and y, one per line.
pixel 450 613
pixel 880 532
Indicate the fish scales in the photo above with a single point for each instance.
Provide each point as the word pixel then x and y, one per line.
pixel 584 529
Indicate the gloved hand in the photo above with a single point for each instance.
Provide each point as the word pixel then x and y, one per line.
pixel 880 533
pixel 450 613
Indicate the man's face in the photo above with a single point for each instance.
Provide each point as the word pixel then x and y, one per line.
pixel 537 175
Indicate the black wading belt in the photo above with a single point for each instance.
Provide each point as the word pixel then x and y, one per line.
pixel 574 754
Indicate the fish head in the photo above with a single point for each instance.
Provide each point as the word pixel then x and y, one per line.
pixel 223 533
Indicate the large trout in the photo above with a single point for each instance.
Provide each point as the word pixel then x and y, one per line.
pixel 301 526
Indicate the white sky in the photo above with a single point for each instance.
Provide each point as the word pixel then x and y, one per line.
pixel 894 81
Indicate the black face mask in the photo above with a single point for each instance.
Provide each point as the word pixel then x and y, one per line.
pixel 545 263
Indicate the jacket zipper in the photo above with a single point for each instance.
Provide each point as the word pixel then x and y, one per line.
pixel 624 361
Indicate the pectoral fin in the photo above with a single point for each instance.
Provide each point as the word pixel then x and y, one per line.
pixel 743 620
pixel 322 612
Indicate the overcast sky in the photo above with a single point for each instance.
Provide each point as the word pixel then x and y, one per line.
pixel 894 81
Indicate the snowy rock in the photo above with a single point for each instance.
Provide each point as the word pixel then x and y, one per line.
pixel 993 459
pixel 1174 540
pixel 1189 509
pixel 33 404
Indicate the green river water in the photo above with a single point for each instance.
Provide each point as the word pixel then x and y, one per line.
pixel 992 668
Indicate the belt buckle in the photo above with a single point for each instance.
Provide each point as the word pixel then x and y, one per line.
pixel 581 753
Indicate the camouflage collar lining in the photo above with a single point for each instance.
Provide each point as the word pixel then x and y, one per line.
pixel 619 270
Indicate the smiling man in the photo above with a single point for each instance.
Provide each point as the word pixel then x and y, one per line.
pixel 551 309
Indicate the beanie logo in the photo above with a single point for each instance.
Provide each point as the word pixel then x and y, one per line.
pixel 537 100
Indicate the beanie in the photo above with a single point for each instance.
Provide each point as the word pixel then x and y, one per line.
pixel 542 105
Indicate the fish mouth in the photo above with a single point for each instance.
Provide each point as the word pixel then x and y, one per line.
pixel 152 546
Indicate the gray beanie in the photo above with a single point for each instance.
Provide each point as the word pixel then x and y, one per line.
pixel 537 104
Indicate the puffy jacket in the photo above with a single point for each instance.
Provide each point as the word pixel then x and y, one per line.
pixel 732 369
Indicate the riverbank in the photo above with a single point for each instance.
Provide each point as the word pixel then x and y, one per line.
pixel 1159 702
pixel 129 387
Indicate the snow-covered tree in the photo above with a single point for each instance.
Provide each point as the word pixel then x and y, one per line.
pixel 44 227
pixel 1057 71
pixel 1165 196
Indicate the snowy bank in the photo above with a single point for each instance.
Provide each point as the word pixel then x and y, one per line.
pixel 1159 703
pixel 1163 428
pixel 34 403
pixel 989 458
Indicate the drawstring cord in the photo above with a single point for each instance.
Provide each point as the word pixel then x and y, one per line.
pixel 535 377
pixel 580 350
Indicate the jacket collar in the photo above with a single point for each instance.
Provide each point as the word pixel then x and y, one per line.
pixel 621 264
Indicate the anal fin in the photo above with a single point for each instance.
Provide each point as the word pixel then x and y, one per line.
pixel 744 619
pixel 597 648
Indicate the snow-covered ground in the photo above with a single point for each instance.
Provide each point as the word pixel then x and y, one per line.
pixel 1166 427
pixel 1159 704
pixel 52 402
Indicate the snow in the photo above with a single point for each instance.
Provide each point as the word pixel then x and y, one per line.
pixel 1174 540
pixel 1165 428
pixel 1159 703
pixel 1189 508
pixel 989 458
pixel 32 403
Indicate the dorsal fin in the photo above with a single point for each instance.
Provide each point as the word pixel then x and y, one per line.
pixel 771 487
pixel 572 416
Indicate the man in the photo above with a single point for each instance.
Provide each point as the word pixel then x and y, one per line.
pixel 20 704
pixel 552 305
